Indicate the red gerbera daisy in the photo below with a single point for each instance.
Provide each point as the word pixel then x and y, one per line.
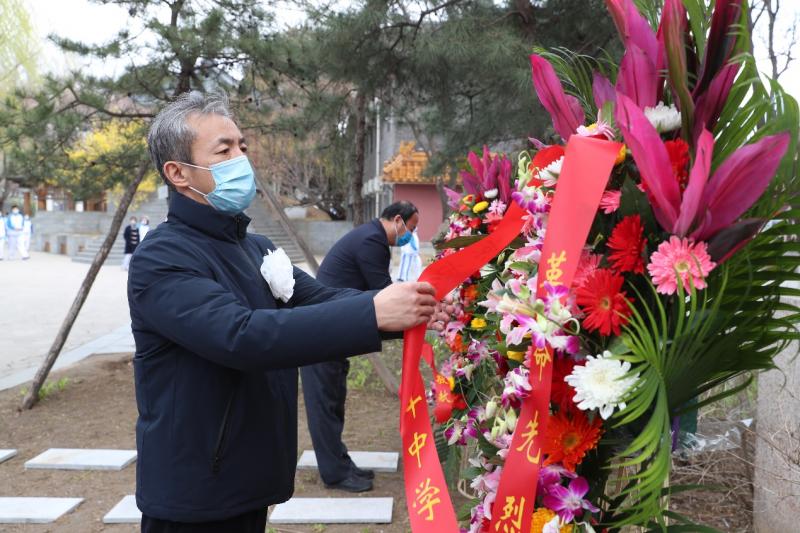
pixel 561 392
pixel 605 305
pixel 627 245
pixel 678 152
pixel 569 436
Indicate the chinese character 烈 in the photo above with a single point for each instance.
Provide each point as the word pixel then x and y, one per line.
pixel 511 520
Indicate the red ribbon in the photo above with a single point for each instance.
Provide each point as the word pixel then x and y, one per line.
pixel 430 508
pixel 587 165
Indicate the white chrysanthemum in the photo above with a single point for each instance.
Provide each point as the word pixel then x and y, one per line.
pixel 549 174
pixel 663 118
pixel 601 383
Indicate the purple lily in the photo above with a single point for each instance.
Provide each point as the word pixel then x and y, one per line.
pixel 489 174
pixel 739 182
pixel 602 90
pixel 639 75
pixel 564 109
pixel 709 104
pixel 568 502
pixel 453 197
pixel 720 43
pixel 708 204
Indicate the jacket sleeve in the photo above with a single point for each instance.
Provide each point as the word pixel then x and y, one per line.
pixel 373 260
pixel 171 295
pixel 309 291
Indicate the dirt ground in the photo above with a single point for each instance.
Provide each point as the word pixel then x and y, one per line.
pixel 97 409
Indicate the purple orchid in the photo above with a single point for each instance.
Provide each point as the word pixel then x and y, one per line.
pixel 517 387
pixel 708 205
pixel 568 502
pixel 490 176
pixel 550 476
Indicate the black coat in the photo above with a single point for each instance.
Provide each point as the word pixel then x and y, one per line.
pixel 359 260
pixel 215 364
pixel 131 236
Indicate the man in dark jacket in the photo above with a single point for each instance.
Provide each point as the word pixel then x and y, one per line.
pixel 131 236
pixel 217 346
pixel 359 260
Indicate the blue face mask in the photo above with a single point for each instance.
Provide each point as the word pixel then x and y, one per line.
pixel 403 239
pixel 234 185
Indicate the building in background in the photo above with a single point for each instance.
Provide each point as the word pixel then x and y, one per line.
pixel 394 169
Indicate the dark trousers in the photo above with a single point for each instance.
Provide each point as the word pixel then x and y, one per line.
pixel 325 392
pixel 252 522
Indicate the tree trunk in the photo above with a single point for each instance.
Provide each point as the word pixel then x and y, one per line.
pixel 389 380
pixel 358 159
pixel 116 223
pixel 284 221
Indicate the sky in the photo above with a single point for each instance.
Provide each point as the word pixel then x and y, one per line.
pixel 90 22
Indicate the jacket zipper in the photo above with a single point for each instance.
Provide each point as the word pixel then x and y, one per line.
pixel 223 430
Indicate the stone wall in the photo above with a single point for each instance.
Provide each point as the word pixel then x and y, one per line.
pixel 320 235
pixel 776 481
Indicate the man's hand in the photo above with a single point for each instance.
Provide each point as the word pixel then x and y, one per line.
pixel 401 306
pixel 442 315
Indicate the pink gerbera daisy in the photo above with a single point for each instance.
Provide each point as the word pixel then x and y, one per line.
pixel 610 201
pixel 680 257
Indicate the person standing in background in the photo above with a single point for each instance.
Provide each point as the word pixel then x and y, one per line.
pixel 131 242
pixel 410 262
pixel 2 236
pixel 144 227
pixel 14 225
pixel 27 233
pixel 359 260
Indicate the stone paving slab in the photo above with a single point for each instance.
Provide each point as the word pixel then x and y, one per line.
pixel 5 455
pixel 35 510
pixel 125 512
pixel 377 461
pixel 333 511
pixel 82 459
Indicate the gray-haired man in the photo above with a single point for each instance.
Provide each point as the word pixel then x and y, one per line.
pixel 217 347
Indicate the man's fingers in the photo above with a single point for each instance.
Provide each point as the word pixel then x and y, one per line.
pixel 425 288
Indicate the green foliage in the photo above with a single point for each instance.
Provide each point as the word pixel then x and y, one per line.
pixel 360 372
pixel 49 389
pixel 18 46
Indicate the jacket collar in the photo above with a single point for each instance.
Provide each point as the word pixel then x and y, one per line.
pixel 381 231
pixel 206 219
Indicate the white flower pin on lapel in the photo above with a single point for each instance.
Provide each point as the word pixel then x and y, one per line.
pixel 277 270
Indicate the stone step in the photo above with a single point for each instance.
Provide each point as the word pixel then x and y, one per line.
pixel 124 512
pixel 376 461
pixel 5 455
pixel 81 459
pixel 35 510
pixel 333 511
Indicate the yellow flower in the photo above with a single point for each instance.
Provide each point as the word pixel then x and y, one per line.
pixel 452 382
pixel 480 206
pixel 621 156
pixel 516 356
pixel 478 323
pixel 540 519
